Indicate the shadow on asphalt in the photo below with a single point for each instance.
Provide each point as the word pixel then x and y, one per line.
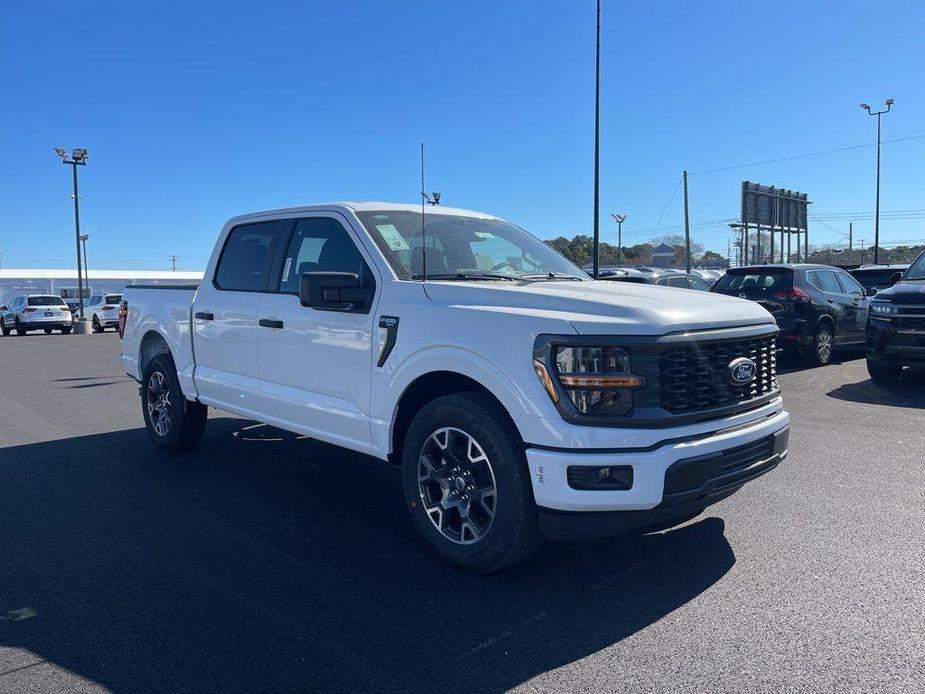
pixel 908 391
pixel 789 362
pixel 266 561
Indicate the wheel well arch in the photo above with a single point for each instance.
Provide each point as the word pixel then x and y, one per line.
pixel 421 391
pixel 827 318
pixel 152 344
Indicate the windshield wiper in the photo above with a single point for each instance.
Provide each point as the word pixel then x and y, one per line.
pixel 550 276
pixel 459 276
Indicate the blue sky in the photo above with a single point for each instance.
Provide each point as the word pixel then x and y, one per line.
pixel 197 111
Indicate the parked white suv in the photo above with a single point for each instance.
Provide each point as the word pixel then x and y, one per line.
pixel 520 398
pixel 103 311
pixel 35 312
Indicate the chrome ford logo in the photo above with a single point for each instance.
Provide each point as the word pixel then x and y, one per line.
pixel 742 370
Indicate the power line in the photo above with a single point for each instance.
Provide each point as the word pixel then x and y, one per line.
pixel 668 204
pixel 804 156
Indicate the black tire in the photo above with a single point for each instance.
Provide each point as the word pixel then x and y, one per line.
pixel 822 348
pixel 184 421
pixel 512 532
pixel 20 330
pixel 48 331
pixel 3 329
pixel 884 374
pixel 66 331
pixel 97 328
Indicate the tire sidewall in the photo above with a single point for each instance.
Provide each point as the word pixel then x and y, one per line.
pixel 514 494
pixel 164 365
pixel 824 327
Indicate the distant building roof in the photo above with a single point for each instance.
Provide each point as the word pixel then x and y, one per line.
pixel 663 249
pixel 71 274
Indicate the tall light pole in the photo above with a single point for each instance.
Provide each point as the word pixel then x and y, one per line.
pixel 597 142
pixel 866 107
pixel 619 219
pixel 77 157
pixel 83 239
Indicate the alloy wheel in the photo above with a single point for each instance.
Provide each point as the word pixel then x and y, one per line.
pixel 824 344
pixel 457 485
pixel 159 403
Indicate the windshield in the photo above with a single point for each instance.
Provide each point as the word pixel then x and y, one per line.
pixel 754 280
pixel 462 246
pixel 877 279
pixel 916 271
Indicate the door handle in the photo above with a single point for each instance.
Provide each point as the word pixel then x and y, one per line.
pixel 204 315
pixel 831 301
pixel 268 323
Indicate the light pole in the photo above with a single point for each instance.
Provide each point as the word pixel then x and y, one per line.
pixel 77 157
pixel 597 143
pixel 866 107
pixel 619 219
pixel 83 239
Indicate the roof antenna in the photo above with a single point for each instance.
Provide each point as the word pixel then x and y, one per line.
pixel 424 201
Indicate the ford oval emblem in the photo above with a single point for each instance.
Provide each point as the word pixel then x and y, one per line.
pixel 742 370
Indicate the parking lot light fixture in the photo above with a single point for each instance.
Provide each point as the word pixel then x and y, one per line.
pixel 78 157
pixel 866 107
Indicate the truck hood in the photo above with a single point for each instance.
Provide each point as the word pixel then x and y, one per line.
pixel 908 292
pixel 602 307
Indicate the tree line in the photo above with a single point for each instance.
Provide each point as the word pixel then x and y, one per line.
pixel 579 250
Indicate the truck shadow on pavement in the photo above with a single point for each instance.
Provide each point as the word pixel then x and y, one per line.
pixel 264 561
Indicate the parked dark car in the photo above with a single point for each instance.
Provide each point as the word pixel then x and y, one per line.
pixel 896 329
pixel 818 308
pixel 664 279
pixel 878 276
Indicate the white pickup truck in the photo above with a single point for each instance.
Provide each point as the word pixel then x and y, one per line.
pixel 520 398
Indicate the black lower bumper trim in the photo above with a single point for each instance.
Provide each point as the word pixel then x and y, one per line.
pixel 676 507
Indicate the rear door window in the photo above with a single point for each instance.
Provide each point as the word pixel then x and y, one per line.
pixel 244 265
pixel 826 281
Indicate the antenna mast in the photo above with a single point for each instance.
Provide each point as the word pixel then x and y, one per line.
pixel 423 238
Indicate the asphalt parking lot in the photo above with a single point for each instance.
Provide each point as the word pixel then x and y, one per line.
pixel 267 562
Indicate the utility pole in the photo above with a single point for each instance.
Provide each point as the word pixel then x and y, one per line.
pixel 173 263
pixel 597 129
pixel 687 228
pixel 850 239
pixel 77 157
pixel 619 219
pixel 866 107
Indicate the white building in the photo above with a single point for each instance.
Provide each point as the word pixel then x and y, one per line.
pixel 63 283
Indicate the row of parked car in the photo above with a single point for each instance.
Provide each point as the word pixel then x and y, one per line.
pixel 48 312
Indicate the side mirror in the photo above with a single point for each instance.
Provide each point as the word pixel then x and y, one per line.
pixel 872 291
pixel 2 308
pixel 335 291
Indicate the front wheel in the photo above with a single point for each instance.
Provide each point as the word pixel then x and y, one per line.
pixel 467 485
pixel 3 329
pixel 20 329
pixel 173 422
pixel 884 374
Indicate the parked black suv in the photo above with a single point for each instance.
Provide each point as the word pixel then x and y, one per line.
pixel 896 329
pixel 817 307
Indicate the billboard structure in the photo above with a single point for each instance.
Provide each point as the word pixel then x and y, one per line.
pixel 779 212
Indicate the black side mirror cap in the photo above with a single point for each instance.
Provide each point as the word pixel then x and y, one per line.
pixel 335 291
pixel 872 291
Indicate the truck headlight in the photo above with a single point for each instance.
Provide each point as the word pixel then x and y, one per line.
pixel 882 308
pixel 597 379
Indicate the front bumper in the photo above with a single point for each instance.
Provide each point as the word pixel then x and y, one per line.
pixel 695 470
pixel 888 345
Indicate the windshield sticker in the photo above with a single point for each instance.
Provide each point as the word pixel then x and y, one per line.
pixel 392 237
pixel 484 235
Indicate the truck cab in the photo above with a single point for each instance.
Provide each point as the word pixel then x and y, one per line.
pixel 520 398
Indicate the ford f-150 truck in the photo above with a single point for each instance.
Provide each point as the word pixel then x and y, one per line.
pixel 520 398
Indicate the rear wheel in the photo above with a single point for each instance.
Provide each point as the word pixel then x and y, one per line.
pixel 97 328
pixel 66 330
pixel 884 374
pixel 467 485
pixel 20 329
pixel 819 353
pixel 173 422
pixel 48 331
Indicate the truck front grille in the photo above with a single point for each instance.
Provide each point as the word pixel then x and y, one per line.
pixel 695 376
